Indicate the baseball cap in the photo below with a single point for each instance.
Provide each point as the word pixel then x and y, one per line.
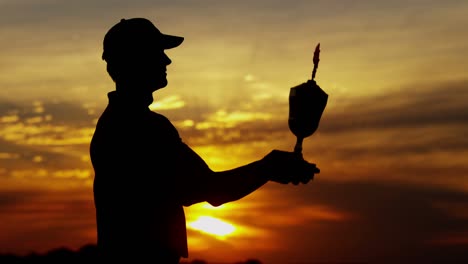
pixel 136 34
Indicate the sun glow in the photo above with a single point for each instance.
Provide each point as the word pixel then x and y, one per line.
pixel 212 226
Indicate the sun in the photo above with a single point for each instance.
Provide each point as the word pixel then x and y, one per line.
pixel 212 226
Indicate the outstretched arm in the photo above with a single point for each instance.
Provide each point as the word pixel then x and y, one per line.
pixel 231 185
pixel 217 188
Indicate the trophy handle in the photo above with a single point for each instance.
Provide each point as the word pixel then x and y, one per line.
pixel 298 146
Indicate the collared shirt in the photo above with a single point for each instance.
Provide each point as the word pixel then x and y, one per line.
pixel 144 175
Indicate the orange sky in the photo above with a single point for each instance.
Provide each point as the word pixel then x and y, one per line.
pixel 391 144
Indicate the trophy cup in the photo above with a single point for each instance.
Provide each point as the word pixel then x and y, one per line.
pixel 306 105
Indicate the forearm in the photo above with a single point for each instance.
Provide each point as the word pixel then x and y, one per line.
pixel 234 184
pixel 198 183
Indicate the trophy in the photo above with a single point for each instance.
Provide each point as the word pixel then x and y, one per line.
pixel 306 104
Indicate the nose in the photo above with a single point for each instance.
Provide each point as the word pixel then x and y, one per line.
pixel 166 59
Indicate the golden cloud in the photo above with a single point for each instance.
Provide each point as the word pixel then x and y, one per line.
pixel 35 133
pixel 170 102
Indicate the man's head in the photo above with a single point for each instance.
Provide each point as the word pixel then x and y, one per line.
pixel 134 52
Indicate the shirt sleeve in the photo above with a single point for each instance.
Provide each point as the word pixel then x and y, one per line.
pixel 195 180
pixel 192 181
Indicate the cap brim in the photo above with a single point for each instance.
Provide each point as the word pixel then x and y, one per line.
pixel 170 41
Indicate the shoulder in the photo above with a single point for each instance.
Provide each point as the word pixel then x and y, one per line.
pixel 160 119
pixel 163 124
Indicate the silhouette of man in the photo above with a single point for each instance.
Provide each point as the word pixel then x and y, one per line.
pixel 144 173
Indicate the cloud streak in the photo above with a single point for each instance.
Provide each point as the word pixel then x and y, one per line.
pixel 416 106
pixel 399 220
pixel 391 147
pixel 354 221
pixel 325 221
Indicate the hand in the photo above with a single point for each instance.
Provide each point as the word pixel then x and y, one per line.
pixel 311 85
pixel 288 167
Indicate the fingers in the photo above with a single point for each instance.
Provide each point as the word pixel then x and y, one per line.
pixel 305 181
pixel 289 167
pixel 295 178
pixel 304 173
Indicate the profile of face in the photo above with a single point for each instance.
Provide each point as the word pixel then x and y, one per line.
pixel 151 69
pixel 144 69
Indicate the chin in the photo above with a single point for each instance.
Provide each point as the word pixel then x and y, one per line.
pixel 160 85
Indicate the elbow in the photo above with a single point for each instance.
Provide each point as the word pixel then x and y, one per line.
pixel 216 202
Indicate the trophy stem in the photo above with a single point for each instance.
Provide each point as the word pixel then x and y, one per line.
pixel 298 147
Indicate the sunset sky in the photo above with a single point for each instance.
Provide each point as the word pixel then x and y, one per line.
pixel 392 144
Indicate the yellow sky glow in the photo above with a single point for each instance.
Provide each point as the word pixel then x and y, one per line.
pixel 214 226
pixel 391 145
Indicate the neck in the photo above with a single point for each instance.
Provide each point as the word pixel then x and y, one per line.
pixel 135 94
pixel 134 87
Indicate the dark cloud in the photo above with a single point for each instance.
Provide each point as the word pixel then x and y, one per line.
pixel 89 9
pixel 9 147
pixel 7 107
pixel 59 140
pixel 10 199
pixel 383 223
pixel 421 119
pixel 21 156
pixel 62 112
pixel 243 131
pixel 68 113
pixel 31 218
pixel 419 106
